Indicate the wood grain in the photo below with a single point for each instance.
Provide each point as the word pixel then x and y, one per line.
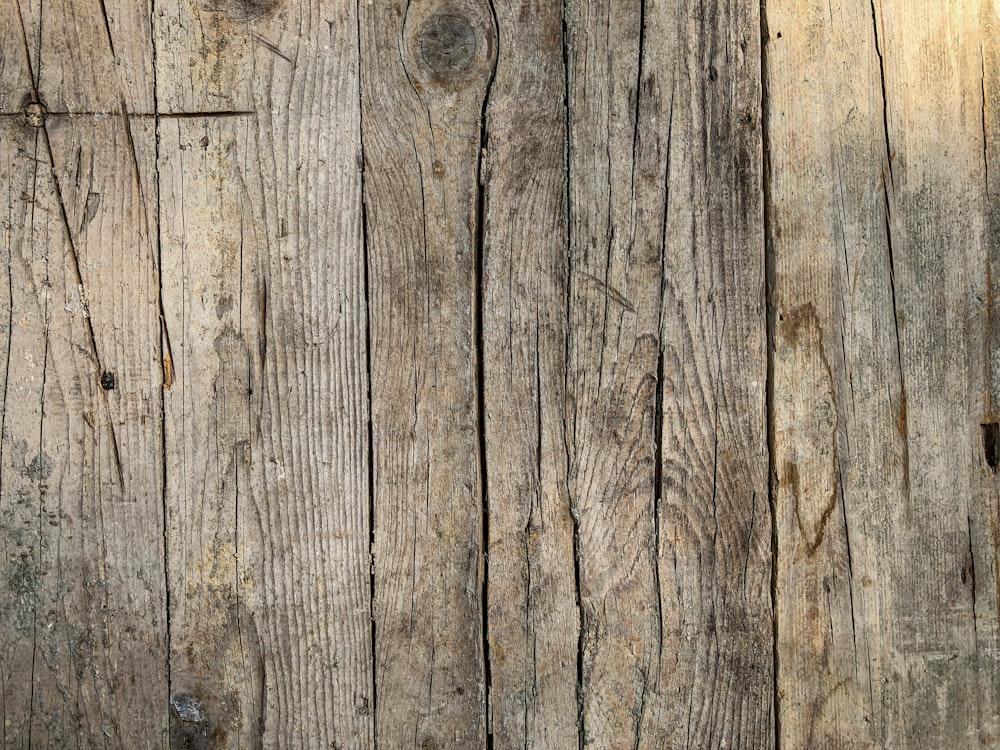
pixel 427 70
pixel 714 526
pixel 667 372
pixel 267 416
pixel 882 259
pixel 81 464
pixel 407 374
pixel 532 616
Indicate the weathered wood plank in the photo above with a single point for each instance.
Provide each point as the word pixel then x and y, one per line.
pixel 881 303
pixel 984 516
pixel 210 247
pixel 667 369
pixel 532 616
pixel 24 324
pixel 427 68
pixel 267 430
pixel 613 351
pixel 82 420
pixel 839 456
pixel 932 71
pixel 94 55
pixel 714 534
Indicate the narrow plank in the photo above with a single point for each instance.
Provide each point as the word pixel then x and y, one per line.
pixel 881 304
pixel 91 606
pixel 85 527
pixel 111 387
pixel 613 350
pixel 667 370
pixel 714 535
pixel 269 532
pixel 532 616
pixel 839 455
pixel 210 247
pixel 20 491
pixel 984 517
pixel 22 342
pixel 427 68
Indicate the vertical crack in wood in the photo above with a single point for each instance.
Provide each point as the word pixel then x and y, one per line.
pixel 165 357
pixel 638 90
pixel 478 314
pixel 888 194
pixel 850 559
pixel 658 395
pixel 770 315
pixel 569 437
pixel 969 578
pixel 658 415
pixel 368 395
pixel 107 29
pixel 986 151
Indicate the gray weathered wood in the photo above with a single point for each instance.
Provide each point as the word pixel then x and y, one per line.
pixel 437 402
pixel 426 74
pixel 532 615
pixel 667 374
pixel 81 464
pixel 886 610
pixel 267 482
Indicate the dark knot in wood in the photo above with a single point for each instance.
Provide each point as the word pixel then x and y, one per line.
pixel 448 44
pixel 35 114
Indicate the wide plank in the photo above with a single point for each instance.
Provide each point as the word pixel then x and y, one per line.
pixel 267 449
pixel 883 493
pixel 85 654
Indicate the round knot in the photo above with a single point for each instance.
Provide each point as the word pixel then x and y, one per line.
pixel 448 44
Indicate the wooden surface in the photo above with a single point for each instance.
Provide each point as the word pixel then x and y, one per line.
pixel 461 373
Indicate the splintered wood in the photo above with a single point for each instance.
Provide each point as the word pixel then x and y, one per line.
pixel 481 374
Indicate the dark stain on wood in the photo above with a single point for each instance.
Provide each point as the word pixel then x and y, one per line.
pixel 218 683
pixel 800 328
pixel 796 318
pixel 813 537
pixel 243 10
pixel 192 726
pixel 991 439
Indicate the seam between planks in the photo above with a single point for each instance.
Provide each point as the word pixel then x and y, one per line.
pixel 478 313
pixel 769 306
pixel 368 384
pixel 568 443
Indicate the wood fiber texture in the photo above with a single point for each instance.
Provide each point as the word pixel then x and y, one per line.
pixel 499 374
